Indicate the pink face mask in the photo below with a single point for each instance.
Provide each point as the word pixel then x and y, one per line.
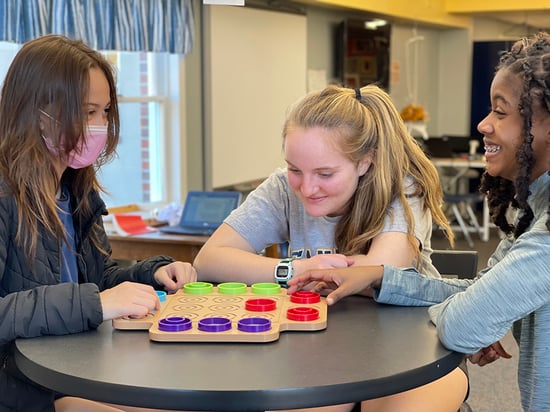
pixel 89 148
pixel 87 151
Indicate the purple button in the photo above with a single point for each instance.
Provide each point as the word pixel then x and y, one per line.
pixel 175 324
pixel 214 324
pixel 254 325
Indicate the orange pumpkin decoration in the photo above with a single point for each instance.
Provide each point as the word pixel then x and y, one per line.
pixel 414 113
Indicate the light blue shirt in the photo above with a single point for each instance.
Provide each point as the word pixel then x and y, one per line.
pixel 472 314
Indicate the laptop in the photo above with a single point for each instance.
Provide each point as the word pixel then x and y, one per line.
pixel 204 212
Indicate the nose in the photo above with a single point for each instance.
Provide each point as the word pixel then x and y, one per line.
pixel 98 119
pixel 308 186
pixel 484 126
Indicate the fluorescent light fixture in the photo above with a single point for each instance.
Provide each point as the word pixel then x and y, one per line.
pixel 374 24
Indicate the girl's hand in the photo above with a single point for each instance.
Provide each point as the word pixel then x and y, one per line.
pixel 489 354
pixel 128 299
pixel 328 261
pixel 339 282
pixel 174 275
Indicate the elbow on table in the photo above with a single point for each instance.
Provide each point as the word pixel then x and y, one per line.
pixel 455 338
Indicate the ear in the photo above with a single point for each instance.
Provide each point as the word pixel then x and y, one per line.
pixel 364 164
pixel 44 122
pixel 41 123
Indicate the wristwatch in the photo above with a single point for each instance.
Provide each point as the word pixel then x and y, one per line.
pixel 284 271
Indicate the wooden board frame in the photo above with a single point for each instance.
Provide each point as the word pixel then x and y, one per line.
pixel 197 307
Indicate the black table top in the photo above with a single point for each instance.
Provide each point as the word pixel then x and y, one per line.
pixel 368 350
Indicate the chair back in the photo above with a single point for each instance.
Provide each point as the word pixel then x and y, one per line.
pixel 459 263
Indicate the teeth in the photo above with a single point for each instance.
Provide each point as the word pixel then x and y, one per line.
pixel 492 148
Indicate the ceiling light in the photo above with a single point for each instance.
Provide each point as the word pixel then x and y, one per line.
pixel 374 24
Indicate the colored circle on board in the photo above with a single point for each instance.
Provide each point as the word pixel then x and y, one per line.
pixel 232 288
pixel 198 288
pixel 214 324
pixel 260 305
pixel 162 295
pixel 302 314
pixel 254 325
pixel 266 288
pixel 305 297
pixel 174 324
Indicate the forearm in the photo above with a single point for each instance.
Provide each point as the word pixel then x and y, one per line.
pixel 229 264
pixel 407 287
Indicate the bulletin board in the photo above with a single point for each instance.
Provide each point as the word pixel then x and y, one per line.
pixel 255 68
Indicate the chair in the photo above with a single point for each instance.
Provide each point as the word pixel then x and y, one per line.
pixel 459 263
pixel 468 223
pixel 459 200
pixel 456 263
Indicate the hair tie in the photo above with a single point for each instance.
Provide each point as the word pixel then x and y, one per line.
pixel 358 94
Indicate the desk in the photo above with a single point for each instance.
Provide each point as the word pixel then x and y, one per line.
pixel 463 165
pixel 368 350
pixel 139 247
pixel 181 247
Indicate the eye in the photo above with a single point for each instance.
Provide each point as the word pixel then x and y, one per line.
pixel 325 174
pixel 497 111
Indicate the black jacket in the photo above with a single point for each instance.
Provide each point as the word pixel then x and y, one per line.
pixel 33 302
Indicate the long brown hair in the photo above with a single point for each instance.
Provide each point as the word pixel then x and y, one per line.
pixel 50 74
pixel 368 122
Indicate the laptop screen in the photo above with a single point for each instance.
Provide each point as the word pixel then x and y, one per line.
pixel 208 209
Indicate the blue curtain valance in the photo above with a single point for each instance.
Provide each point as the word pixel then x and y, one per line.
pixel 125 25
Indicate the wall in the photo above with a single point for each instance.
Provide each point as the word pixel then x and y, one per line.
pixel 192 113
pixel 255 69
pixel 454 78
pixel 444 73
pixel 428 68
pixel 445 59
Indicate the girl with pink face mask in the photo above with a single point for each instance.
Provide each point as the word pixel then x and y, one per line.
pixel 59 120
pixel 87 150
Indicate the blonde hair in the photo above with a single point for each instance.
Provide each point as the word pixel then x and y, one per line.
pixel 367 122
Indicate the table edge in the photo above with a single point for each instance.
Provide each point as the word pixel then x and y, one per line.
pixel 235 401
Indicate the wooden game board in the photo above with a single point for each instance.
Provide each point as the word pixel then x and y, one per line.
pixel 230 312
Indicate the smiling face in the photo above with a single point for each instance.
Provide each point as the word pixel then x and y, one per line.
pixel 322 177
pixel 503 131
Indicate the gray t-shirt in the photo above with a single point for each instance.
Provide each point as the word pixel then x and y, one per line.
pixel 273 214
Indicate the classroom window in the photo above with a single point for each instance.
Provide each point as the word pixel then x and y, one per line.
pixel 136 175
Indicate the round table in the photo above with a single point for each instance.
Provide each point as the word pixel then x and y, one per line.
pixel 368 350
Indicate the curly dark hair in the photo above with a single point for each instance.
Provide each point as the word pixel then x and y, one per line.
pixel 529 58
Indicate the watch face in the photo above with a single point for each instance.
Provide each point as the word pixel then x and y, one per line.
pixel 282 272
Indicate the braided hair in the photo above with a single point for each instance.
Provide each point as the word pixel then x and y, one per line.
pixel 528 58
